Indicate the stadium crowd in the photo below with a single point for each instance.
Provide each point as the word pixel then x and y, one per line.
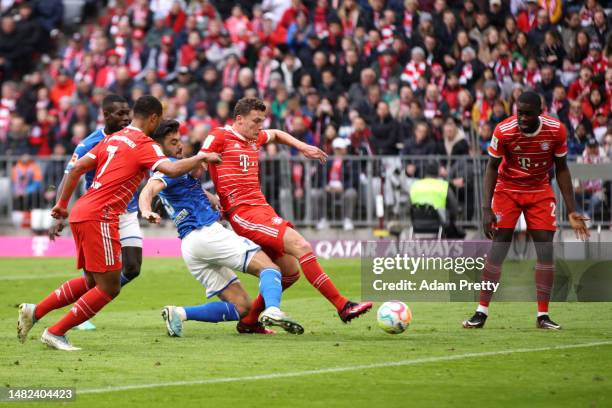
pixel 376 77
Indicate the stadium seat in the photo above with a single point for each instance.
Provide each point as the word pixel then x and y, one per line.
pixel 426 222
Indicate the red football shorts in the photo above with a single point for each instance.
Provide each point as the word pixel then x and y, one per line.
pixel 262 225
pixel 98 245
pixel 538 208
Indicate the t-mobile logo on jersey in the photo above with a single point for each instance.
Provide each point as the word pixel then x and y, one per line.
pixel 524 162
pixel 244 162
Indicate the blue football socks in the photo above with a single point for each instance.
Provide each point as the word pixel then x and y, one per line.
pixel 213 312
pixel 270 287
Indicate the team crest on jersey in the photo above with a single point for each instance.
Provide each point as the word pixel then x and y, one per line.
pixel 494 142
pixel 545 146
pixel 253 146
pixel 277 220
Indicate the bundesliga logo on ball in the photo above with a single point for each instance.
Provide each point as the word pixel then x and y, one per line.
pixel 394 317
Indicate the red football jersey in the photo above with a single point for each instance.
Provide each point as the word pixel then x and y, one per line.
pixel 236 179
pixel 527 159
pixel 123 159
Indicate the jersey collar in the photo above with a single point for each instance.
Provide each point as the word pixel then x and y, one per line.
pixel 537 130
pixel 238 135
pixel 131 127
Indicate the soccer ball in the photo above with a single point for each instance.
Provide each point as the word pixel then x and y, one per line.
pixel 394 317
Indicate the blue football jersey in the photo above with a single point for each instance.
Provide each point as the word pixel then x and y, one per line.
pixel 81 150
pixel 186 203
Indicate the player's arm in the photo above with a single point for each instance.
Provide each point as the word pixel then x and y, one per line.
pixel 184 166
pixel 307 150
pixel 150 190
pixel 564 180
pixel 490 180
pixel 82 166
pixel 58 225
pixel 496 154
pixel 214 200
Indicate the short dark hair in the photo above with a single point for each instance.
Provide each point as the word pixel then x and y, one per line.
pixel 245 105
pixel 165 128
pixel 146 106
pixel 109 99
pixel 531 98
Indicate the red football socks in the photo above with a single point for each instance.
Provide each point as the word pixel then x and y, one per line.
pixel 258 304
pixel 65 295
pixel 544 277
pixel 84 309
pixel 490 273
pixel 319 279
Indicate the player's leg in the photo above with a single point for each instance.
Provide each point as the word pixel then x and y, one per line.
pixel 235 302
pixel 541 226
pixel 66 294
pixel 102 261
pixel 270 289
pixel 491 272
pixel 132 262
pixel 297 246
pixel 508 210
pixel 213 252
pixel 290 271
pixel 131 246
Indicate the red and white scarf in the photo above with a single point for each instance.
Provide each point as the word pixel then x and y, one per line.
pixel 408 24
pixel 413 72
pixel 230 75
pixel 467 73
pixel 262 76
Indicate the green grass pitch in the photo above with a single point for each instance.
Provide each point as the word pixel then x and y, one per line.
pixel 434 363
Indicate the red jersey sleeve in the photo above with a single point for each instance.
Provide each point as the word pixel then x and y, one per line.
pixel 560 149
pixel 214 142
pixel 496 147
pixel 150 155
pixel 262 138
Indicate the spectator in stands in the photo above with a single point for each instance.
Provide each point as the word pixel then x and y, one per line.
pixel 578 128
pixel 421 144
pixel 26 179
pixel 569 31
pixel 600 29
pixel 336 60
pixel 387 133
pixel 339 182
pixel 595 104
pixel 590 193
pixel 454 139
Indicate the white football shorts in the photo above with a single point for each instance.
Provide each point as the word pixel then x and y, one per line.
pixel 130 233
pixel 212 254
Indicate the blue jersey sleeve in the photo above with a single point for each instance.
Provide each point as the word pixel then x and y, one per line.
pixel 80 151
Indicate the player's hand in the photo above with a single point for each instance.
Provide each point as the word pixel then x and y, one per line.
pixel 211 157
pixel 59 213
pixel 55 229
pixel 214 201
pixel 150 216
pixel 313 152
pixel 489 222
pixel 578 223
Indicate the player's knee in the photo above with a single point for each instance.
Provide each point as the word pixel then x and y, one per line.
pixel 112 290
pixel 301 246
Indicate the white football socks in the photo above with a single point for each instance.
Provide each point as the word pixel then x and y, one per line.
pixel 483 309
